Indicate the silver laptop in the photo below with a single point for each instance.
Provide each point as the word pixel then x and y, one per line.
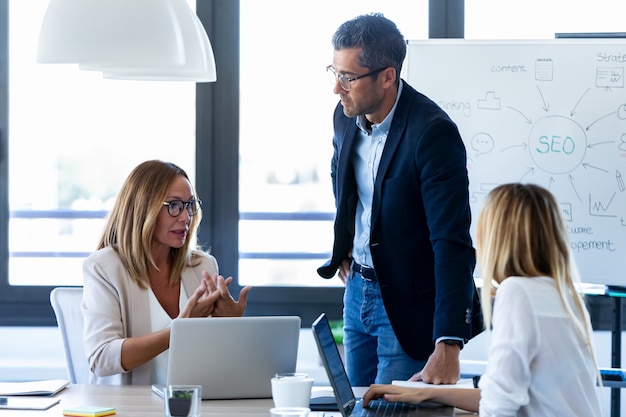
pixel 232 357
pixel 348 405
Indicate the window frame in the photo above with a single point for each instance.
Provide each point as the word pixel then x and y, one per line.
pixel 217 173
pixel 18 305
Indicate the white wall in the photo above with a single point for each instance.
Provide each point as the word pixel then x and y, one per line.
pixel 33 353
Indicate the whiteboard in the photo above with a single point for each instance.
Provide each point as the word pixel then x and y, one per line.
pixel 547 112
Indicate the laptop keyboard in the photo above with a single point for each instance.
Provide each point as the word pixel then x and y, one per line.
pixel 380 408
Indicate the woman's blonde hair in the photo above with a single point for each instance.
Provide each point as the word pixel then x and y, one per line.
pixel 521 232
pixel 131 224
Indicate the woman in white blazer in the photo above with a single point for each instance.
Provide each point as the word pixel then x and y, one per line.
pixel 148 270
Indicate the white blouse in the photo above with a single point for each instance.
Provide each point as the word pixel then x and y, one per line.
pixel 538 364
pixel 159 320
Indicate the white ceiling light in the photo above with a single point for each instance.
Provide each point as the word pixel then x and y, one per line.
pixel 130 39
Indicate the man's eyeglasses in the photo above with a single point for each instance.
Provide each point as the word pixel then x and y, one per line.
pixel 345 81
pixel 175 207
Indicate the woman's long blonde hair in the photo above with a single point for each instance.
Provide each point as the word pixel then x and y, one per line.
pixel 131 224
pixel 521 232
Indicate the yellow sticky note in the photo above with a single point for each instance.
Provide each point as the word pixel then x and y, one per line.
pixel 89 411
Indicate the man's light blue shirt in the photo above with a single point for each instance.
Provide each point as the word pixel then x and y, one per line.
pixel 365 159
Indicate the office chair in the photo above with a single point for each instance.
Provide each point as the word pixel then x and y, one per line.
pixel 66 305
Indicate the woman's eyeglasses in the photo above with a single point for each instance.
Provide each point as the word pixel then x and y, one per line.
pixel 175 207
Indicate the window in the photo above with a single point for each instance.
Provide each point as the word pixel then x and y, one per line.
pixel 536 19
pixel 73 138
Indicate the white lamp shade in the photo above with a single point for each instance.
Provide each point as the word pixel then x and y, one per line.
pixel 199 63
pixel 138 39
pixel 151 75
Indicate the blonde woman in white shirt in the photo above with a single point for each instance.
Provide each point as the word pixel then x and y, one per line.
pixel 541 360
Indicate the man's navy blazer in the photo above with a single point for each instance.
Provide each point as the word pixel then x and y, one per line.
pixel 420 242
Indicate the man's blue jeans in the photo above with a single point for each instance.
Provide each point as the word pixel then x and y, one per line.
pixel 373 353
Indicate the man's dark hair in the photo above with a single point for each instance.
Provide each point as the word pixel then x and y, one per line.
pixel 382 45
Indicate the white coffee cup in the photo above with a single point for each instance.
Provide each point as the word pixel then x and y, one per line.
pixel 291 390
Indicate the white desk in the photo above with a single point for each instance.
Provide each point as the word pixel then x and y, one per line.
pixel 140 401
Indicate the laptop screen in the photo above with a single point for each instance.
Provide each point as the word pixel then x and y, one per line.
pixel 333 364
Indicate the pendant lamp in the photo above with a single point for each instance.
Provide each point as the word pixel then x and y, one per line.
pixel 128 39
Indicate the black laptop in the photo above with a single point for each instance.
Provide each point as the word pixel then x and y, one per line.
pixel 348 405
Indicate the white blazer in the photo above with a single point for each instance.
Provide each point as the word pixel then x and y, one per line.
pixel 115 308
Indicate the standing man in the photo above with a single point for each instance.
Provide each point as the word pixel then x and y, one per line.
pixel 402 245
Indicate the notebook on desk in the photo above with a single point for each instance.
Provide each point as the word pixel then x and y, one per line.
pixel 232 357
pixel 348 404
pixel 46 387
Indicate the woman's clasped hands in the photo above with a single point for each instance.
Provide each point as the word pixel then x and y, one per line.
pixel 213 298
